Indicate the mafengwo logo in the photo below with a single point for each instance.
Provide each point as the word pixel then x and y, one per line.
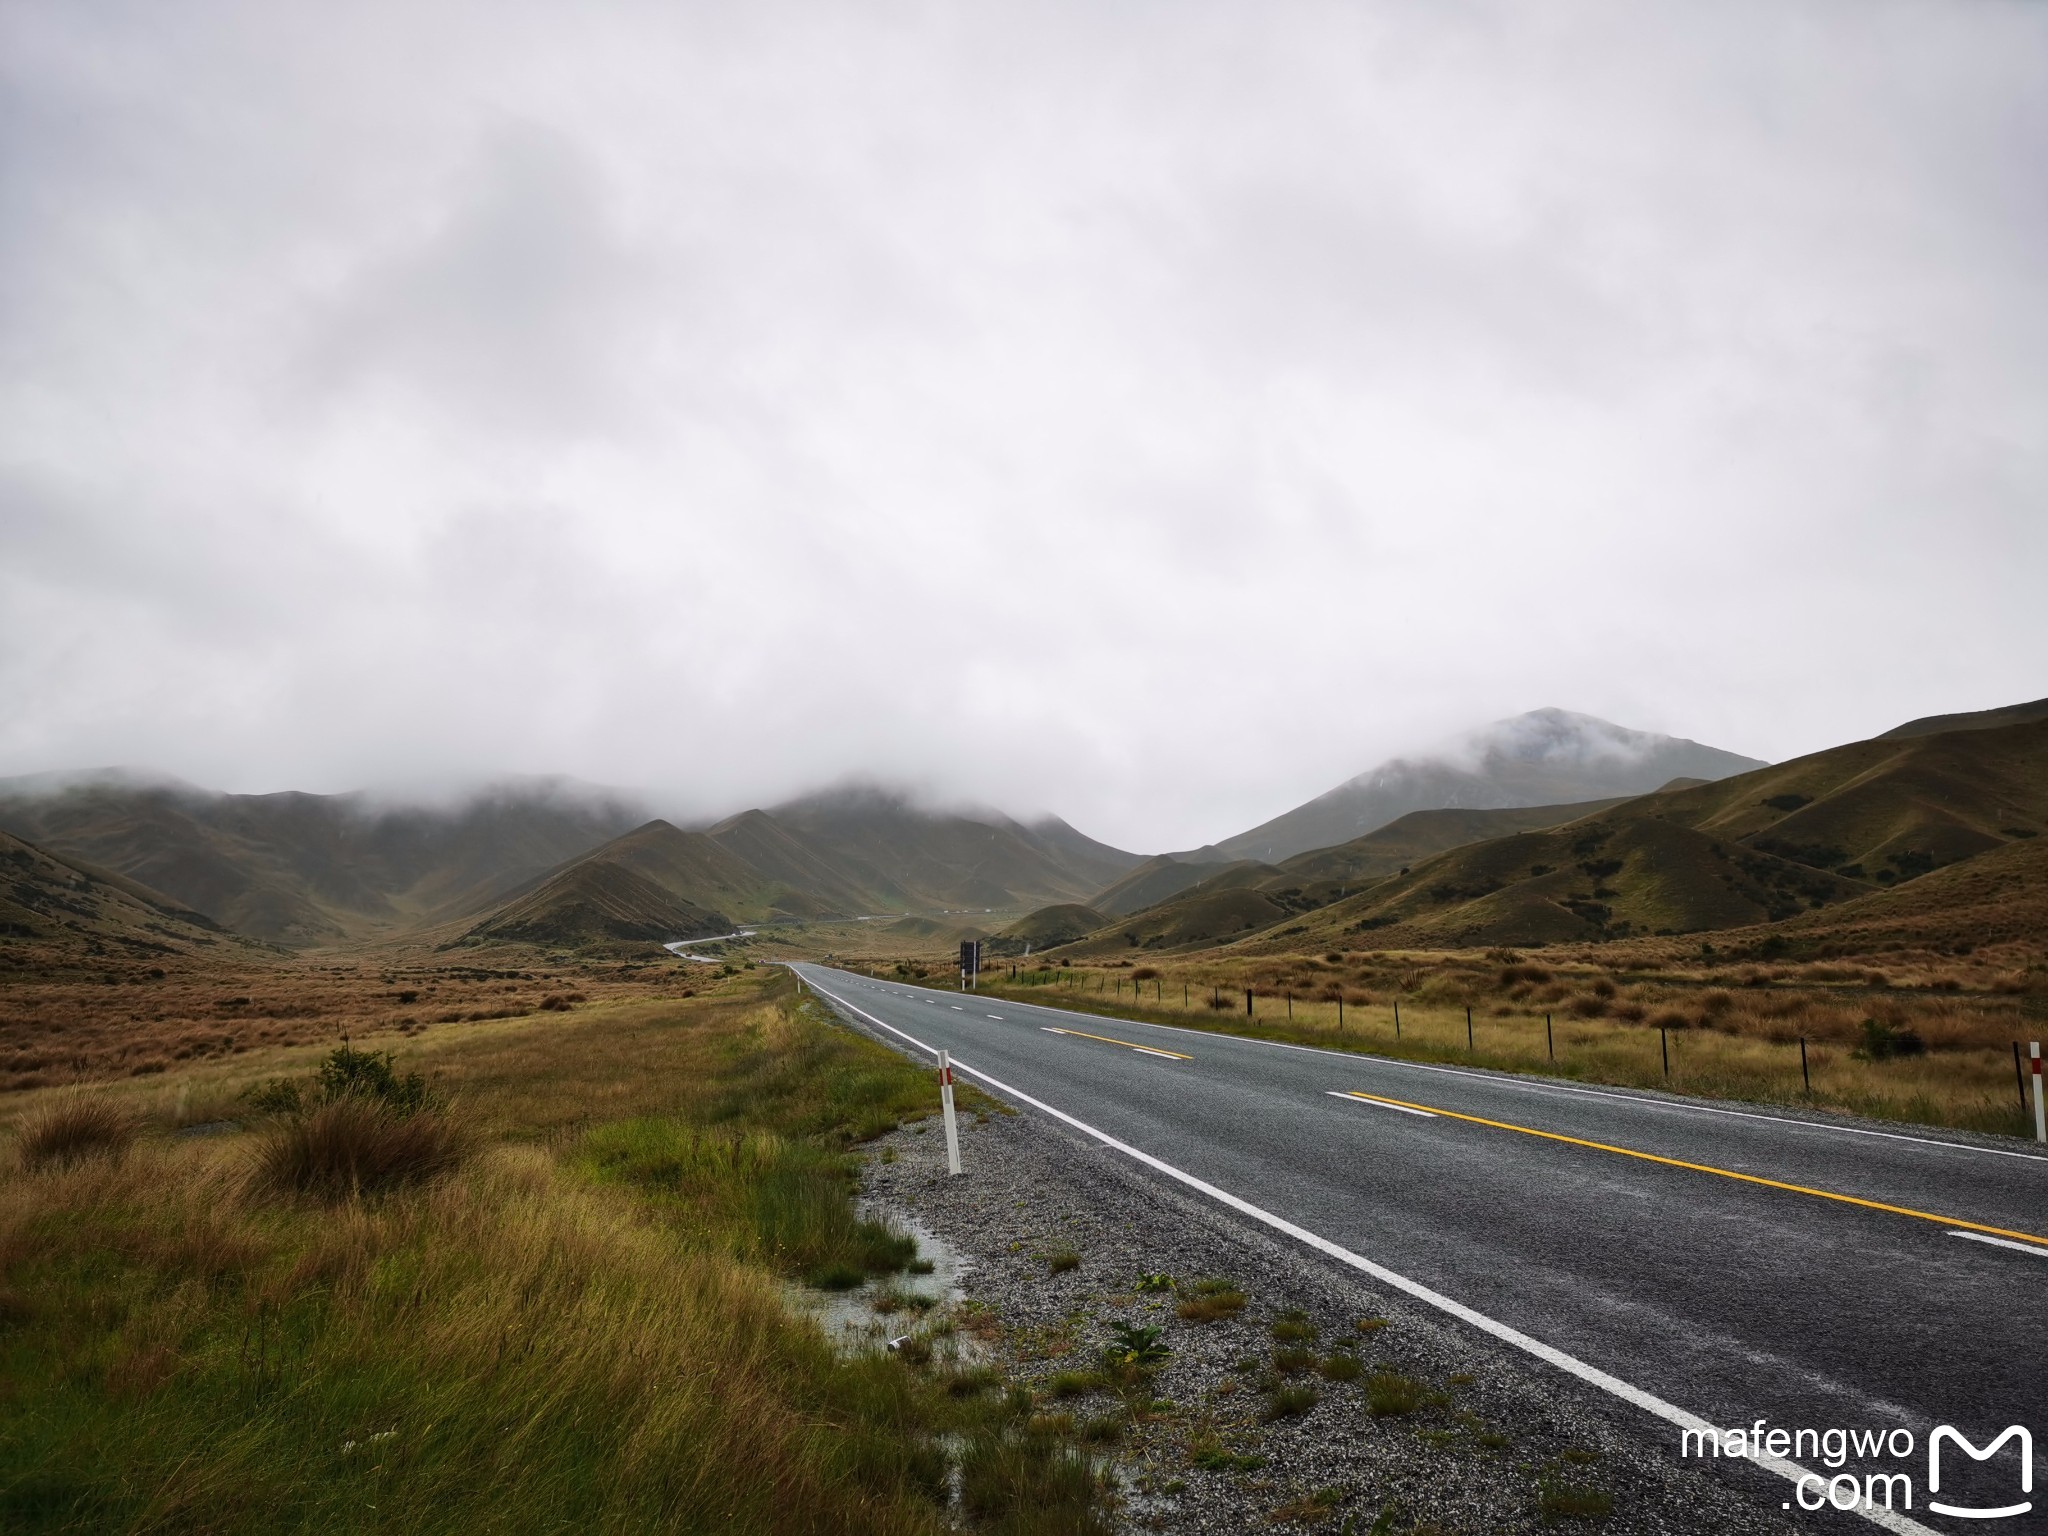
pixel 1947 1435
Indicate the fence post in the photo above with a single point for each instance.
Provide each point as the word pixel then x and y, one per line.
pixel 1397 1018
pixel 1468 1027
pixel 2019 1078
pixel 946 1103
pixel 1340 1011
pixel 1549 1039
pixel 1664 1040
pixel 1247 1002
pixel 1290 1003
pixel 1806 1077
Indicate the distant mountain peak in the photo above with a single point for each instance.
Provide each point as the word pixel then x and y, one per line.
pixel 1547 756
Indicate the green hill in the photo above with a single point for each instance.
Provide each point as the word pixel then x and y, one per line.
pixel 1818 832
pixel 312 869
pixel 1601 877
pixel 56 912
pixel 1421 834
pixel 1193 921
pixel 599 900
pixel 1884 810
pixel 1976 720
pixel 1047 928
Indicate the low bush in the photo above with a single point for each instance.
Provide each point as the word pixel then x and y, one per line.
pixel 355 1147
pixel 1208 1301
pixel 1389 1394
pixel 69 1132
pixel 1291 1401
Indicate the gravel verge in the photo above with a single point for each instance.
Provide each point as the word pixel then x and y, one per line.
pixel 1247 1426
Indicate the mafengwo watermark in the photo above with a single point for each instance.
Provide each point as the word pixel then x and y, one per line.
pixel 1867 1469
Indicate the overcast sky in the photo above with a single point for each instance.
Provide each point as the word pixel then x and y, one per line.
pixel 1153 413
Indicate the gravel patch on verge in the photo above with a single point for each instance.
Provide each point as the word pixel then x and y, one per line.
pixel 1266 1419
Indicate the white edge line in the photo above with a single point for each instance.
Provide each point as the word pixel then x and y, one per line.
pixel 1531 1085
pixel 1628 1392
pixel 2001 1242
pixel 1352 1098
pixel 1169 1055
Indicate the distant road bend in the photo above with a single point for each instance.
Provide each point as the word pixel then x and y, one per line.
pixel 1698 1261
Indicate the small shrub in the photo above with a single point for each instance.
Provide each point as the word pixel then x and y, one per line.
pixel 1103 1429
pixel 1004 1474
pixel 1560 1500
pixel 974 1381
pixel 68 1133
pixel 279 1096
pixel 1373 1324
pixel 1213 1457
pixel 351 1074
pixel 352 1147
pixel 1292 1361
pixel 1153 1282
pixel 1291 1401
pixel 1209 1301
pixel 1389 1394
pixel 1293 1327
pixel 1060 1260
pixel 1342 1367
pixel 1882 1041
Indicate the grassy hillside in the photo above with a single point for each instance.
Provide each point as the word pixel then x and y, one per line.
pixel 312 869
pixel 905 857
pixel 1159 878
pixel 1600 878
pixel 599 901
pixel 1205 917
pixel 1048 928
pixel 57 913
pixel 1420 834
pixel 784 861
pixel 1881 811
pixel 1545 757
pixel 1975 720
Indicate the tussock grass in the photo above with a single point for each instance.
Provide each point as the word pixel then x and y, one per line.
pixel 530 1342
pixel 354 1147
pixel 71 1130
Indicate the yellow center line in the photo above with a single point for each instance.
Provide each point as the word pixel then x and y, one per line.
pixel 1726 1173
pixel 1149 1050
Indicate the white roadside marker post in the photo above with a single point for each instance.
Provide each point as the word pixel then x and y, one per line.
pixel 946 1101
pixel 2040 1115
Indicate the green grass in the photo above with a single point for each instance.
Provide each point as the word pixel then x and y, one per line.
pixel 580 1327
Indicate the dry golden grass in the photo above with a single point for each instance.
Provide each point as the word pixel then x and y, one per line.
pixel 70 1130
pixel 542 1339
pixel 1731 1030
pixel 352 1148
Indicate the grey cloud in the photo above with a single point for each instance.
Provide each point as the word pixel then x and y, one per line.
pixel 1152 414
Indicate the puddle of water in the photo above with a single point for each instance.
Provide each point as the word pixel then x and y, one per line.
pixel 918 1306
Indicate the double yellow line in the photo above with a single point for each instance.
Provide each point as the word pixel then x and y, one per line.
pixel 1725 1173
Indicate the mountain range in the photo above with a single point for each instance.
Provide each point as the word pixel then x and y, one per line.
pixel 1715 841
pixel 1844 836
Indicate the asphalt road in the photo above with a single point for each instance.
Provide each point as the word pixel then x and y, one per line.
pixel 1721 1297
